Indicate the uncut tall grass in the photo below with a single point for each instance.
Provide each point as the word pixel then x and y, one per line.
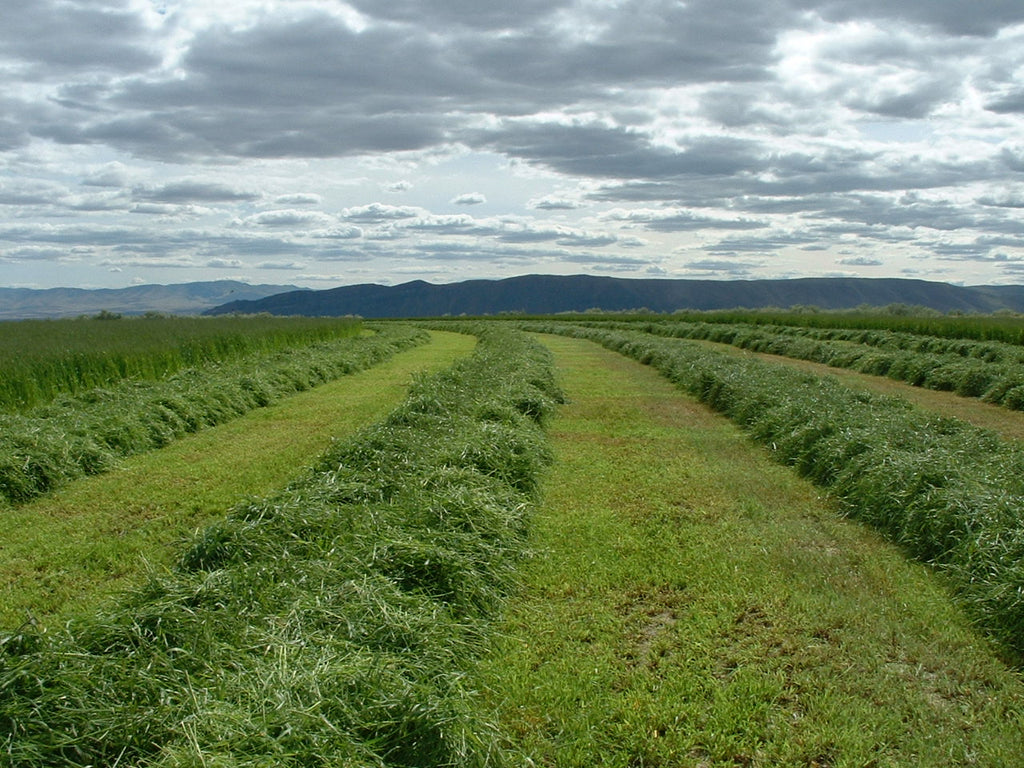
pixel 41 359
pixel 332 624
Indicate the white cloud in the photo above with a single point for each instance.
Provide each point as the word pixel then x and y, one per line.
pixel 469 198
pixel 299 198
pixel 287 217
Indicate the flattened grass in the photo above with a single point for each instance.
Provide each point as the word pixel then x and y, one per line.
pixel 695 604
pixel 71 549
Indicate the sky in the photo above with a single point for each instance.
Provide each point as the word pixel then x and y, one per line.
pixel 321 143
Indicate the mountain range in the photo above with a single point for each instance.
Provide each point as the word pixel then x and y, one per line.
pixel 551 294
pixel 529 294
pixel 181 299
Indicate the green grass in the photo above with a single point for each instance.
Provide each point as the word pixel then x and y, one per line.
pixel 947 492
pixel 693 603
pixel 1008 328
pixel 41 359
pixel 85 434
pixel 988 370
pixel 1007 423
pixel 332 623
pixel 75 547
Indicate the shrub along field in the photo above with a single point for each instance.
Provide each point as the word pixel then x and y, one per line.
pixel 900 318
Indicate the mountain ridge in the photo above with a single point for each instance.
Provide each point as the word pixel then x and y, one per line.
pixel 553 294
pixel 180 298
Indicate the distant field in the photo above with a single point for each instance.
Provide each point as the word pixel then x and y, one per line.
pixel 41 359
pixel 548 554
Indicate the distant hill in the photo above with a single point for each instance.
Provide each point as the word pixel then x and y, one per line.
pixel 184 298
pixel 550 294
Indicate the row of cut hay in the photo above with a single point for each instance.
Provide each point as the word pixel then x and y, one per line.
pixel 86 434
pixel 950 493
pixel 333 624
pixel 956 369
pixel 43 359
pixel 1000 327
pixel 893 341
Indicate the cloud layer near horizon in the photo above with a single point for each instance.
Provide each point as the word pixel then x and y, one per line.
pixel 323 143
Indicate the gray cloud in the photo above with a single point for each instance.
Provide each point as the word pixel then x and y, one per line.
pixel 111 175
pixel 680 221
pixel 599 151
pixel 554 203
pixel 377 212
pixel 787 123
pixel 1008 103
pixel 487 14
pixel 52 37
pixel 338 232
pixel 728 267
pixel 860 261
pixel 299 198
pixel 194 191
pixel 954 17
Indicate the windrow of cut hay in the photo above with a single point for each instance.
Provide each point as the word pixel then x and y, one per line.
pixel 332 624
pixel 43 359
pixel 87 433
pixel 1005 327
pixel 950 493
pixel 990 370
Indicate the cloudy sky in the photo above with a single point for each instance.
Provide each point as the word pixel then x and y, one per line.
pixel 322 143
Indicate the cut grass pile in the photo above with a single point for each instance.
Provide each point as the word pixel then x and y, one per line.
pixel 949 493
pixel 1002 327
pixel 695 604
pixel 66 552
pixel 41 359
pixel 330 624
pixel 85 434
pixel 992 371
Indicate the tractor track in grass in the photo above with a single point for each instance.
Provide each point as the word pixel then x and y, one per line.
pixel 693 603
pixel 64 552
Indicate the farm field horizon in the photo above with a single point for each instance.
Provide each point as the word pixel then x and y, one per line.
pixel 672 592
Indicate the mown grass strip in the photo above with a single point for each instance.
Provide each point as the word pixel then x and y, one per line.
pixel 693 603
pixel 331 624
pixel 949 493
pixel 76 546
pixel 86 434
